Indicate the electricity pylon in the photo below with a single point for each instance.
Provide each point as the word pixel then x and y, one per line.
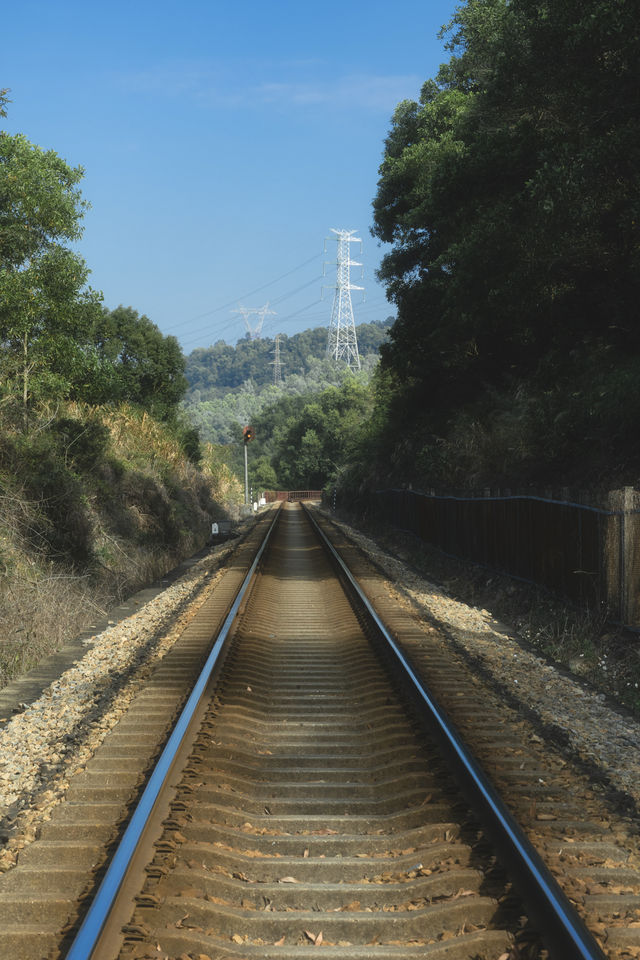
pixel 342 342
pixel 254 330
pixel 277 364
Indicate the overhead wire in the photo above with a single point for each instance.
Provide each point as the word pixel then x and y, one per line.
pixel 279 321
pixel 232 322
pixel 243 296
pixel 195 336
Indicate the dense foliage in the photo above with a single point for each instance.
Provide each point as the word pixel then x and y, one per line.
pixel 306 440
pixel 148 368
pixel 46 309
pixel 511 195
pixel 55 339
pixel 231 386
pixel 214 371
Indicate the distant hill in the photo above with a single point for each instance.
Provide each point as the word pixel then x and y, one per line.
pixel 217 370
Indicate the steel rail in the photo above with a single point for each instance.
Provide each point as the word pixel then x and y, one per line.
pixel 561 929
pixel 94 921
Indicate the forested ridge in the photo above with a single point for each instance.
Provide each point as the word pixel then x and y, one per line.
pixel 213 371
pixel 230 386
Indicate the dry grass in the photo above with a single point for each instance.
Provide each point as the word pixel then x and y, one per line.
pixel 111 522
pixel 135 436
pixel 38 613
pixel 227 487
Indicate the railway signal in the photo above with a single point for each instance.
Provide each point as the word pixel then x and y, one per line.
pixel 247 436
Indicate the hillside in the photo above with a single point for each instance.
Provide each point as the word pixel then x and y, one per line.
pixel 96 502
pixel 231 385
pixel 214 371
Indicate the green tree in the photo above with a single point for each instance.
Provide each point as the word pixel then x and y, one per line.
pixel 262 476
pixel 314 439
pixel 511 197
pixel 45 307
pixel 149 367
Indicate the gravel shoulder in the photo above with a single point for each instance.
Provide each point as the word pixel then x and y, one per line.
pixel 581 720
pixel 47 740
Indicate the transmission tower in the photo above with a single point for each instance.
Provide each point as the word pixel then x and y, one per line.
pixel 254 329
pixel 342 343
pixel 276 364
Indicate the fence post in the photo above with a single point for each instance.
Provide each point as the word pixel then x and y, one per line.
pixel 623 555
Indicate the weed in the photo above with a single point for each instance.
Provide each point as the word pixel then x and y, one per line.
pixel 95 503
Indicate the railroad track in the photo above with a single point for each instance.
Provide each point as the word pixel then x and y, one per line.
pixel 309 807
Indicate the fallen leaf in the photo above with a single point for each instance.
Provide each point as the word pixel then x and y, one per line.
pixel 354 905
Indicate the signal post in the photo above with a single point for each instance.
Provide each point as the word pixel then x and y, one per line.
pixel 247 436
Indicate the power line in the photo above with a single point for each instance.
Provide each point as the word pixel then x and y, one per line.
pixel 244 296
pixel 220 328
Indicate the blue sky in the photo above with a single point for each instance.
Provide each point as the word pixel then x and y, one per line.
pixel 221 142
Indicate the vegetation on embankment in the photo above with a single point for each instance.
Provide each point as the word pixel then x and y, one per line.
pixel 96 502
pixel 103 483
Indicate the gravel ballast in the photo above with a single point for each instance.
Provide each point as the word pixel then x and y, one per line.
pixel 45 743
pixel 596 731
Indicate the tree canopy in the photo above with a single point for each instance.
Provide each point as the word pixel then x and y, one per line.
pixel 510 193
pixel 55 339
pixel 307 440
pixel 148 367
pixel 46 308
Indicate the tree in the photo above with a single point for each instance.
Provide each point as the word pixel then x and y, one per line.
pixel 149 367
pixel 45 307
pixel 44 317
pixel 262 476
pixel 315 438
pixel 510 194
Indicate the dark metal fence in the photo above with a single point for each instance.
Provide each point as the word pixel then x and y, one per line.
pixel 588 554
